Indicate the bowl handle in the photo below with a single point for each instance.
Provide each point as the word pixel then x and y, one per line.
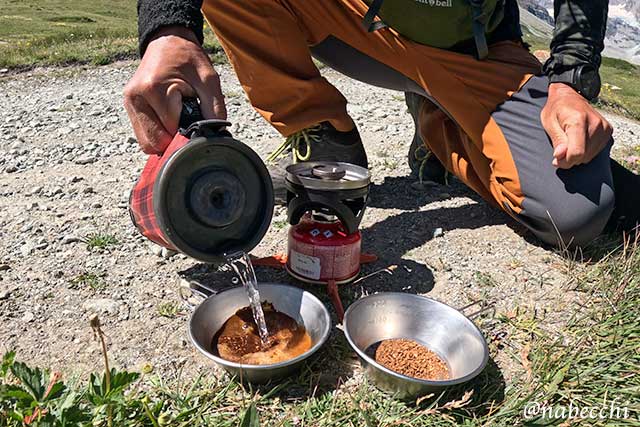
pixel 484 307
pixel 191 290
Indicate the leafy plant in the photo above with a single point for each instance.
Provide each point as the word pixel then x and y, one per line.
pixel 169 309
pixel 100 240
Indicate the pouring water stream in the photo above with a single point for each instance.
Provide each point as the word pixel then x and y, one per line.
pixel 241 264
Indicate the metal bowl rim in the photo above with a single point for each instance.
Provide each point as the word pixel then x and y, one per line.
pixel 226 363
pixel 369 360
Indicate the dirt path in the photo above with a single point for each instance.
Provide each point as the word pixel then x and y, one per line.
pixel 67 163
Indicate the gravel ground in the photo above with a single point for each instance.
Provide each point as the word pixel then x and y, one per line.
pixel 68 161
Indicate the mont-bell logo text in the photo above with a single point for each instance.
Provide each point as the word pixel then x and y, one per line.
pixel 437 3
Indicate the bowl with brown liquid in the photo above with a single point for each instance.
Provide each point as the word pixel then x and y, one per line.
pixel 411 345
pixel 223 329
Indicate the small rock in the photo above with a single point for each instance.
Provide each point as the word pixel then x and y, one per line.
pixel 28 317
pixel 11 169
pixel 56 191
pixel 155 249
pixel 5 267
pixel 85 160
pixel 131 140
pixel 26 250
pixel 4 294
pixel 96 205
pixel 69 96
pixel 75 179
pixel 70 238
pixel 102 305
pixel 167 253
pixel 4 71
pixel 88 190
pixel 444 195
pixel 438 232
pixel 35 190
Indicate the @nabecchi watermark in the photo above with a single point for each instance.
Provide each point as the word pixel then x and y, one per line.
pixel 612 410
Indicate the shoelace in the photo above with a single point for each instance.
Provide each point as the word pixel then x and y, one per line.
pixel 423 159
pixel 295 142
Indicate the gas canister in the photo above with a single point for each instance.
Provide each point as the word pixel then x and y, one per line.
pixel 325 204
pixel 320 249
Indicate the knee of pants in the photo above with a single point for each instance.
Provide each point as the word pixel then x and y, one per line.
pixel 576 222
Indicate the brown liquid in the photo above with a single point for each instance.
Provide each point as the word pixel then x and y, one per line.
pixel 409 358
pixel 239 341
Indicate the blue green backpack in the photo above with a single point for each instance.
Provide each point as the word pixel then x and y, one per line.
pixel 438 23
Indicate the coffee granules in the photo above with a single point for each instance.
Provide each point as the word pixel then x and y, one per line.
pixel 409 358
pixel 239 341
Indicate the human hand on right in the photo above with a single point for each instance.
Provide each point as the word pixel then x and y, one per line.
pixel 173 67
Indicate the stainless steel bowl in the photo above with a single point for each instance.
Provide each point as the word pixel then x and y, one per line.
pixel 442 329
pixel 209 316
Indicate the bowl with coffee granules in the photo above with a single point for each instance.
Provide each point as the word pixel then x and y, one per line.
pixel 411 345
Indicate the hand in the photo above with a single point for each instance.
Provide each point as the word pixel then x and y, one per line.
pixel 174 66
pixel 578 132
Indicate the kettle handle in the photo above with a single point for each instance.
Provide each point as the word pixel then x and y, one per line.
pixel 193 124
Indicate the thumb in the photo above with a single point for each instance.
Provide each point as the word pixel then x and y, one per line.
pixel 559 140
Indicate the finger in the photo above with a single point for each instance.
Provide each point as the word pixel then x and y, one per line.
pixel 577 136
pixel 211 98
pixel 167 104
pixel 150 133
pixel 559 155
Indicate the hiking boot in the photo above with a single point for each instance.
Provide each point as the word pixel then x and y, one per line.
pixel 314 144
pixel 424 165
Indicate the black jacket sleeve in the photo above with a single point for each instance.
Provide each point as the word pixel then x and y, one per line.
pixel 578 37
pixel 155 14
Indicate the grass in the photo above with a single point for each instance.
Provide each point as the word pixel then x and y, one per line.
pixel 170 309
pixel 593 362
pixel 62 32
pixel 91 280
pixel 100 240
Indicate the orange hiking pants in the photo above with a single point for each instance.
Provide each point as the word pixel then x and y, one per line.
pixel 487 128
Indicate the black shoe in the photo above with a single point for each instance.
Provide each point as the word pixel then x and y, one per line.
pixel 626 213
pixel 423 164
pixel 318 143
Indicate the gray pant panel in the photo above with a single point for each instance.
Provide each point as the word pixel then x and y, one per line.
pixel 569 205
pixel 576 203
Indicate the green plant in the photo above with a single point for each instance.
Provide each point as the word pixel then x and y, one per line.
pixel 92 280
pixel 170 309
pixel 280 224
pixel 100 240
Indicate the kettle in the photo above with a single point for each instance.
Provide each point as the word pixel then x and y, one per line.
pixel 207 196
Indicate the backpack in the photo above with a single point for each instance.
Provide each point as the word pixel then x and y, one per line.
pixel 438 23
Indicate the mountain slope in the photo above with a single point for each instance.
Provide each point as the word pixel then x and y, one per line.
pixel 623 28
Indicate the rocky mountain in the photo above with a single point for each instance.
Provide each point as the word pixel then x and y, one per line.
pixel 623 28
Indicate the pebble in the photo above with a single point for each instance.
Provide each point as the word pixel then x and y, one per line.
pixel 85 160
pixel 438 232
pixel 5 267
pixel 101 306
pixel 28 317
pixel 87 190
pixel 70 238
pixel 4 294
pixel 11 169
pixel 35 190
pixel 26 250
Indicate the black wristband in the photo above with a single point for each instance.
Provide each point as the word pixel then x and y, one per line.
pixel 154 15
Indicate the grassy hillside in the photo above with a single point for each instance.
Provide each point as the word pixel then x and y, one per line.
pixel 57 32
pixel 40 32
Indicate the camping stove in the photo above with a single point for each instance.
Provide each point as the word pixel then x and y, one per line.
pixel 325 202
